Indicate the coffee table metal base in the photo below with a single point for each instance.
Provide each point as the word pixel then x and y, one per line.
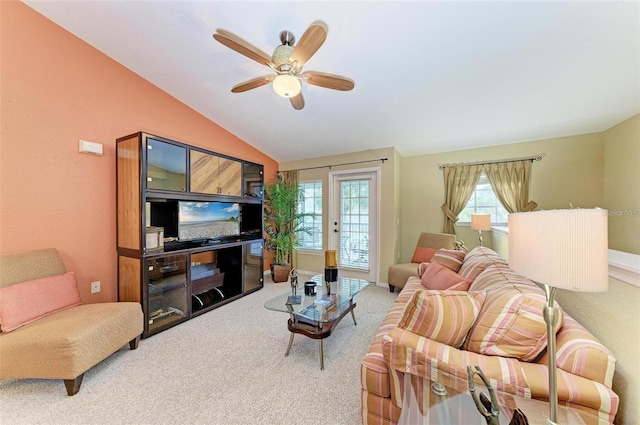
pixel 316 330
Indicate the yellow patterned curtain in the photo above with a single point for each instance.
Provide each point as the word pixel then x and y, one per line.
pixel 291 177
pixel 459 183
pixel 510 183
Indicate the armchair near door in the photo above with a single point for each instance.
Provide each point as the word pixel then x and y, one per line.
pixel 428 244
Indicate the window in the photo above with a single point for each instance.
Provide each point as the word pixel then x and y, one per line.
pixel 484 201
pixel 311 203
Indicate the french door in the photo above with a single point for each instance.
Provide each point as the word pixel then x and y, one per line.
pixel 353 222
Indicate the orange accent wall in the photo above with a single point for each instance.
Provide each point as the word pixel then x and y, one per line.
pixel 54 90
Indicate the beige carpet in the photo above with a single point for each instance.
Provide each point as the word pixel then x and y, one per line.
pixel 224 367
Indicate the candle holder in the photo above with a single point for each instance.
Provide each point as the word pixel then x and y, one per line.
pixel 330 269
pixel 310 288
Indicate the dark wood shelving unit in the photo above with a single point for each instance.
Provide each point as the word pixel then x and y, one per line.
pixel 166 267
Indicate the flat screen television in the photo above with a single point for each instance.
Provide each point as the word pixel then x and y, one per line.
pixel 201 221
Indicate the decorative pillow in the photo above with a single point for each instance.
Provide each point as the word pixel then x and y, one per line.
pixel 496 275
pixel 476 261
pixel 443 316
pixel 423 254
pixel 450 258
pixel 422 267
pixel 511 323
pixel 439 277
pixel 28 301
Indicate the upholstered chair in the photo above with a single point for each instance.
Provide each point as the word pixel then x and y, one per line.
pixel 428 244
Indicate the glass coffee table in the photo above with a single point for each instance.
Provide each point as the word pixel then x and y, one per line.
pixel 310 319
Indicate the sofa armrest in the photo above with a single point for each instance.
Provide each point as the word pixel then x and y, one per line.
pixel 580 353
pixel 400 273
pixel 573 390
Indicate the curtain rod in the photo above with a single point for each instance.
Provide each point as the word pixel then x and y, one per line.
pixel 499 161
pixel 337 165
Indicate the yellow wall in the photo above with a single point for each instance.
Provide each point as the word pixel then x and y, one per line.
pixel 571 173
pixel 612 316
pixel 622 184
pixel 389 201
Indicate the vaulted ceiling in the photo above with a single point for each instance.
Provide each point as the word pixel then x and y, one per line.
pixel 430 76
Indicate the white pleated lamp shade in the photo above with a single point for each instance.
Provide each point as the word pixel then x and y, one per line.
pixel 566 249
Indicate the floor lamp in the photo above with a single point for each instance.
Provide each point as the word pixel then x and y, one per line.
pixel 480 222
pixel 566 249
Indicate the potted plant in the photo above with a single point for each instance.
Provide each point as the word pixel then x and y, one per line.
pixel 282 223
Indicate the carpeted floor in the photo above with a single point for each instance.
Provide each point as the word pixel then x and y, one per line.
pixel 224 367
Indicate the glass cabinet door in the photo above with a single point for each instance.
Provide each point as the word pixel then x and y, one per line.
pixel 166 166
pixel 167 290
pixel 252 266
pixel 253 180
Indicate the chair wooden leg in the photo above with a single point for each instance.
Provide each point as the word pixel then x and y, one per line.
pixel 133 344
pixel 73 385
pixel 391 288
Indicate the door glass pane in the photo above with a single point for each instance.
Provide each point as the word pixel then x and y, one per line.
pixel 354 224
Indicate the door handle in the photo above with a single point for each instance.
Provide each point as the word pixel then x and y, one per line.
pixel 335 230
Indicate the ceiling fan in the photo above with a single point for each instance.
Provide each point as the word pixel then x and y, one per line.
pixel 287 62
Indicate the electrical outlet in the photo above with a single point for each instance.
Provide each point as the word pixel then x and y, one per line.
pixel 95 287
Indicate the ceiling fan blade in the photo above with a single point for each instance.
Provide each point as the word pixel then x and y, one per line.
pixel 253 83
pixel 329 81
pixel 297 101
pixel 234 42
pixel 309 43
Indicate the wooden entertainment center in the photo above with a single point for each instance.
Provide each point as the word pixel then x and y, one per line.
pixel 189 228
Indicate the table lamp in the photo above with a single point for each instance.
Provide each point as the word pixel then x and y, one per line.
pixel 566 249
pixel 330 268
pixel 480 222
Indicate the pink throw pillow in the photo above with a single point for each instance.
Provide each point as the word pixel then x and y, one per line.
pixel 28 301
pixel 450 258
pixel 439 277
pixel 423 254
pixel 443 316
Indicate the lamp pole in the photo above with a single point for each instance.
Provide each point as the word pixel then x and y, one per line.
pixel 550 313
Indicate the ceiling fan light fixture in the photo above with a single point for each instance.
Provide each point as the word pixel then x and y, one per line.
pixel 287 85
pixel 282 55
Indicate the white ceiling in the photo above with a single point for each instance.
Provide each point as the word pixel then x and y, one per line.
pixel 430 76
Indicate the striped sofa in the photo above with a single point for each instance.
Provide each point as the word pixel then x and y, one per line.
pixel 506 338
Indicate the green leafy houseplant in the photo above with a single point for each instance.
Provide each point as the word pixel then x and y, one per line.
pixel 282 223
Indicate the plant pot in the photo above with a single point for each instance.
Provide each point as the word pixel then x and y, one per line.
pixel 280 272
